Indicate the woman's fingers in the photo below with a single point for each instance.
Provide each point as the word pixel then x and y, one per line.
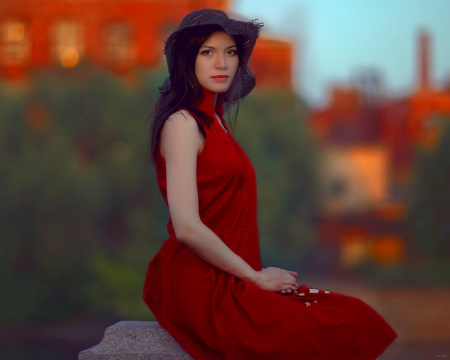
pixel 288 280
pixel 278 280
pixel 288 289
pixel 294 275
pixel 291 280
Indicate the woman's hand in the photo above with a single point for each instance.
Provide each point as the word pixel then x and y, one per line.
pixel 276 280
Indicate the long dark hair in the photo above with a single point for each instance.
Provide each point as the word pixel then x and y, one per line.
pixel 186 91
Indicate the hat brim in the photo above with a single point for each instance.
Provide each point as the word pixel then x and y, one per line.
pixel 249 31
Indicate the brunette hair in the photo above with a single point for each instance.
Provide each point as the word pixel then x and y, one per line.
pixel 186 91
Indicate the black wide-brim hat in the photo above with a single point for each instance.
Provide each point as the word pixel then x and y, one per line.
pixel 249 31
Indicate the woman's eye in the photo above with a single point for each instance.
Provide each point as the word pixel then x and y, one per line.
pixel 206 52
pixel 232 52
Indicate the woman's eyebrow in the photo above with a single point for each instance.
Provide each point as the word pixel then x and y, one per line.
pixel 212 47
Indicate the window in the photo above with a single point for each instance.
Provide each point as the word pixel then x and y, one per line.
pixel 67 44
pixel 118 43
pixel 15 43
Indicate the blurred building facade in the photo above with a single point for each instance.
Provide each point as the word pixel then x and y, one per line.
pixel 367 142
pixel 115 34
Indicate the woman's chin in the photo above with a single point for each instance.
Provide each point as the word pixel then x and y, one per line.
pixel 218 87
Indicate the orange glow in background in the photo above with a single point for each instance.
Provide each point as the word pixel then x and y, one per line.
pixel 69 57
pixel 16 32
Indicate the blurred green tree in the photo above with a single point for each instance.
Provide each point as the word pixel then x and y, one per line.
pixel 272 128
pixel 78 197
pixel 429 213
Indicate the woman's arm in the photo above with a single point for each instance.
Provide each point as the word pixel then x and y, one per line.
pixel 181 142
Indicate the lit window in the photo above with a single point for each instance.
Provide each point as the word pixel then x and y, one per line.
pixel 15 43
pixel 67 43
pixel 118 43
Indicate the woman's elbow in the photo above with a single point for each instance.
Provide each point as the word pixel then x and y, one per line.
pixel 185 232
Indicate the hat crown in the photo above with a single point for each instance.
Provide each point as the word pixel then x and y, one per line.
pixel 203 17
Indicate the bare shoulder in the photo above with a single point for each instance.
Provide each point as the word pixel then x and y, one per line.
pixel 180 130
pixel 182 120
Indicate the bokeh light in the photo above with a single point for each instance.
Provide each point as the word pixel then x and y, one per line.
pixel 16 32
pixel 69 57
pixel 388 249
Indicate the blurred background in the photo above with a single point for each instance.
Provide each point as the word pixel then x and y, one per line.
pixel 348 130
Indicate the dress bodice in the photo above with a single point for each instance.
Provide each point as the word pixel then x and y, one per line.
pixel 225 177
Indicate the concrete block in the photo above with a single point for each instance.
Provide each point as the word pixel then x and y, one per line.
pixel 135 340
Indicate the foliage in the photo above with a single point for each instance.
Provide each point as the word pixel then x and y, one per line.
pixel 76 189
pixel 428 219
pixel 272 129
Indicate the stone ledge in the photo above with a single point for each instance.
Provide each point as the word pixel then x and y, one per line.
pixel 137 340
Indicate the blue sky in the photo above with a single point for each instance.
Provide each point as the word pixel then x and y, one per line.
pixel 336 38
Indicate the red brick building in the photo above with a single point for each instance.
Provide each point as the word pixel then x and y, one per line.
pixel 368 142
pixel 116 34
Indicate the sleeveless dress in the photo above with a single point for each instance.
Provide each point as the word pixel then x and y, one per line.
pixel 214 315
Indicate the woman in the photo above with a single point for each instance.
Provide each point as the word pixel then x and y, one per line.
pixel 206 285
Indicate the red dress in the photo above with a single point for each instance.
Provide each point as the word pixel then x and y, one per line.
pixel 214 315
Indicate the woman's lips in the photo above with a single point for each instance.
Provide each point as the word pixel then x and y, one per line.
pixel 220 78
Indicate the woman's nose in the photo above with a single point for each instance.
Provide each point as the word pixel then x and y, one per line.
pixel 221 61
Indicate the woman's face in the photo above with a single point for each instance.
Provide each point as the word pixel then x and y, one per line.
pixel 217 62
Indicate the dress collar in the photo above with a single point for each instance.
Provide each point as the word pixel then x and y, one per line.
pixel 207 103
